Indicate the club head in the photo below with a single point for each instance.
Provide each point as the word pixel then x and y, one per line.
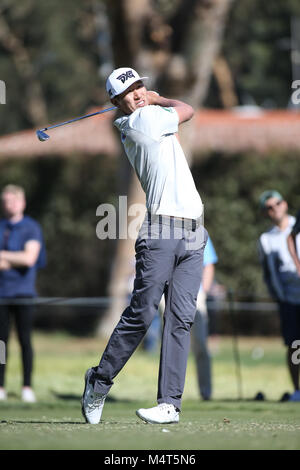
pixel 42 136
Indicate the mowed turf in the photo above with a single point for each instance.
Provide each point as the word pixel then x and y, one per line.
pixel 227 422
pixel 218 425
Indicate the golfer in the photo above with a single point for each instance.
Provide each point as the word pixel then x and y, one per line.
pixel 169 247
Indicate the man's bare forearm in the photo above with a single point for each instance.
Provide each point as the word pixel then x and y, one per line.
pixel 184 110
pixel 16 258
pixel 208 277
pixel 4 265
pixel 25 258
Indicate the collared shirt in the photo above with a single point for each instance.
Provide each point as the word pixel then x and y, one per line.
pixel 148 136
pixel 279 268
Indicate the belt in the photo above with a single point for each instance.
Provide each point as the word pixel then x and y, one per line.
pixel 179 222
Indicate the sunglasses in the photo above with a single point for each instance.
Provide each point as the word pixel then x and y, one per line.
pixel 271 207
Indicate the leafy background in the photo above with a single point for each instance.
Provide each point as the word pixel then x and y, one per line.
pixel 68 51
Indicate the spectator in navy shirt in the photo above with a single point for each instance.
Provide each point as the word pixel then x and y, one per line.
pixel 22 252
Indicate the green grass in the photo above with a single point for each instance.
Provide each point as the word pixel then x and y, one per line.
pixel 55 422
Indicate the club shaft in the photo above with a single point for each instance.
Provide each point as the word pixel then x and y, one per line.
pixel 79 118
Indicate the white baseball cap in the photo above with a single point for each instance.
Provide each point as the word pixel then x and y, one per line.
pixel 121 79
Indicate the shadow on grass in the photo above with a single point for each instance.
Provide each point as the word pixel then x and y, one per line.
pixel 260 396
pixel 26 421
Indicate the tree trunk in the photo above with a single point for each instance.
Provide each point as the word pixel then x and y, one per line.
pixel 225 82
pixel 34 104
pixel 123 268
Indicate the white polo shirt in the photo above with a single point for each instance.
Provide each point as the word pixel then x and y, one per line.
pixel 148 136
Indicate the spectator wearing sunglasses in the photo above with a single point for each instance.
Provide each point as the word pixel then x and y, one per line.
pixel 281 276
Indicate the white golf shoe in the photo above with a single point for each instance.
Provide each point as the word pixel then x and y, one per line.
pixel 163 413
pixel 28 395
pixel 92 403
pixel 3 394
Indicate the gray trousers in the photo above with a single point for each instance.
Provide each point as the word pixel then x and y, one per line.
pixel 169 260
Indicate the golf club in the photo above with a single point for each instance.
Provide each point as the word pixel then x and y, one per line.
pixel 42 136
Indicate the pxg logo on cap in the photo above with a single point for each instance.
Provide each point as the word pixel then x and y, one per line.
pixel 121 79
pixel 124 76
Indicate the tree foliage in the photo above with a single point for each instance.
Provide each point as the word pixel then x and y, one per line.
pixel 257 46
pixel 54 57
pixel 64 195
pixel 230 187
pixel 54 45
